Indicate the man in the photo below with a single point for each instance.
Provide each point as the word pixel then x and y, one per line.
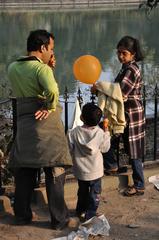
pixel 40 140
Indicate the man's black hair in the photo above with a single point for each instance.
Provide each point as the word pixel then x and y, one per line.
pixel 38 38
pixel 91 114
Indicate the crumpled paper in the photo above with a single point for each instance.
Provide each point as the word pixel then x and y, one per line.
pixel 94 226
pixel 154 180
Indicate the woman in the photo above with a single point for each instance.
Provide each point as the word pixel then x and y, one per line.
pixel 130 81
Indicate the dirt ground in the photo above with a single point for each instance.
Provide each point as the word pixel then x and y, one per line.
pixel 130 218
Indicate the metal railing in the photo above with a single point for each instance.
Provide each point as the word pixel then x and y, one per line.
pixel 67 4
pixel 152 120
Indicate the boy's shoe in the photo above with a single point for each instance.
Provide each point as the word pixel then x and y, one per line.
pixel 81 216
pixel 73 222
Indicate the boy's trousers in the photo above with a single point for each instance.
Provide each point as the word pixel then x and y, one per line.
pixel 88 197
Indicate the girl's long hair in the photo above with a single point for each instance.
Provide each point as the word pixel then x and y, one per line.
pixel 132 45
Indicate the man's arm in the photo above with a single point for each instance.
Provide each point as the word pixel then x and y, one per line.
pixel 51 92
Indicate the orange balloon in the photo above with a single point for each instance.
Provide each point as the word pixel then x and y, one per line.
pixel 87 69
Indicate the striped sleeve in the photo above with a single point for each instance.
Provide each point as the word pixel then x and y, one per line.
pixel 130 81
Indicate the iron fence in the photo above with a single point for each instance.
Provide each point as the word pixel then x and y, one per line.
pixel 68 4
pixel 8 123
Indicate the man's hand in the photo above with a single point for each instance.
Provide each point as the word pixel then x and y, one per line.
pixel 52 61
pixel 42 114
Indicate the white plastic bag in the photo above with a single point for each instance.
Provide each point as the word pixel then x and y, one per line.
pixel 154 180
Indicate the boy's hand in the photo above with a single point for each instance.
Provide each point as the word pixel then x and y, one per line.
pixel 105 124
pixel 94 89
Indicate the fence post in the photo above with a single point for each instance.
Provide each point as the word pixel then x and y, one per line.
pixel 66 97
pixel 14 111
pixel 92 98
pixel 155 121
pixel 0 174
pixel 79 97
pixel 2 190
pixel 144 105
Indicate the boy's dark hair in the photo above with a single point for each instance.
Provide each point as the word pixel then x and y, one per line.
pixel 132 45
pixel 91 114
pixel 38 38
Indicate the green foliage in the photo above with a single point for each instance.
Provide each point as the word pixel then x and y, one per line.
pixel 149 5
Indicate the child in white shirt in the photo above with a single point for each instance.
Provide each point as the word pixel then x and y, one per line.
pixel 87 143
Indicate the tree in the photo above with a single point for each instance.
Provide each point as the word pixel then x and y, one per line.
pixel 149 4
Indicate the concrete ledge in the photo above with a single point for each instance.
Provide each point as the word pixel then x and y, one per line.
pixel 151 164
pixel 125 180
pixel 109 183
pixel 40 197
pixel 5 204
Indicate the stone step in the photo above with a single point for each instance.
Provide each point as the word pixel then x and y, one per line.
pixel 109 183
pixel 5 205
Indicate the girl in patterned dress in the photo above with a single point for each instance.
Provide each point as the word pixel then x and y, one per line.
pixel 130 80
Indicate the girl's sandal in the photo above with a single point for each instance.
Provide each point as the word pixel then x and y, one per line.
pixel 133 191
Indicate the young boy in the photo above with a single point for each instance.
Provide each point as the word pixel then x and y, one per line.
pixel 87 143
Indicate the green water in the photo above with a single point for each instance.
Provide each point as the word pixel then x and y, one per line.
pixel 79 33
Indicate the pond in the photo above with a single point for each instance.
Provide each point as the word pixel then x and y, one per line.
pixel 79 33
